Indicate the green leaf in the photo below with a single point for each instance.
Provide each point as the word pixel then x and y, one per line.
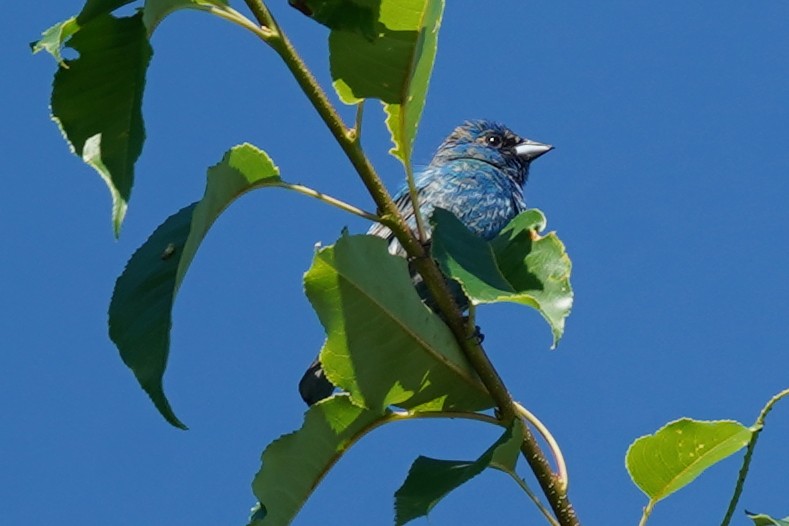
pixel 384 346
pixel 97 98
pixel 95 8
pixel 429 480
pixel 156 10
pixel 355 16
pixel 517 266
pixel 677 453
pixel 294 464
pixel 53 38
pixel 141 307
pixel 394 66
pixel 765 520
pixel 403 117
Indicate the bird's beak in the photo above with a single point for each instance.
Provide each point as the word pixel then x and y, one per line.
pixel 530 150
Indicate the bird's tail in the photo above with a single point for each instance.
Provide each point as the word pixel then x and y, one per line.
pixel 314 386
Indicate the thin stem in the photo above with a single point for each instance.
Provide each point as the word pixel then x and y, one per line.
pixel 357 127
pixel 647 512
pixel 230 14
pixel 396 416
pixel 522 483
pixel 746 461
pixel 329 200
pixel 414 195
pixel 563 477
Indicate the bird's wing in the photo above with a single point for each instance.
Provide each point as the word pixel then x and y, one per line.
pixel 403 201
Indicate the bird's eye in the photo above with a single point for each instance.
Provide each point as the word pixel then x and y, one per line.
pixel 494 140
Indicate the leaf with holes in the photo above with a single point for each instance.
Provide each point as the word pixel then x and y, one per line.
pixel 517 266
pixel 677 453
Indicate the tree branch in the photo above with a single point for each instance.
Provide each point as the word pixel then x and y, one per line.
pixel 422 261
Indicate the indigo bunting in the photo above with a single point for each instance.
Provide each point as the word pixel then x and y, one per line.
pixel 478 174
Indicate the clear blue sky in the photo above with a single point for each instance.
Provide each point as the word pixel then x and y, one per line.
pixel 669 186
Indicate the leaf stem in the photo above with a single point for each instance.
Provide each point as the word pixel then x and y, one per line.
pixel 746 461
pixel 231 15
pixel 413 193
pixel 647 512
pixel 357 127
pixel 306 190
pixel 526 489
pixel 562 476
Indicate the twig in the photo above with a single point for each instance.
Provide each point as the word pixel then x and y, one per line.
pixel 746 461
pixel 563 477
pixel 329 200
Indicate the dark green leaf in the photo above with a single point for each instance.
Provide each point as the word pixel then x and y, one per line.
pixel 384 346
pixel 257 514
pixel 96 8
pixel 517 266
pixel 294 464
pixel 430 480
pixel 354 16
pixel 141 308
pixel 677 453
pixel 765 520
pixel 97 98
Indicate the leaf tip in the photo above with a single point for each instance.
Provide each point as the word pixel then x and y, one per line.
pixel 156 393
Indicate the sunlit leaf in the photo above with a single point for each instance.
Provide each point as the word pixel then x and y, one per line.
pixel 517 266
pixel 391 62
pixel 677 453
pixel 141 308
pixel 761 519
pixel 384 346
pixel 52 39
pixel 429 480
pixel 294 464
pixel 403 116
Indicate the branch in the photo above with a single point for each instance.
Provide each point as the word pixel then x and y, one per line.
pixel 421 259
pixel 746 461
pixel 342 205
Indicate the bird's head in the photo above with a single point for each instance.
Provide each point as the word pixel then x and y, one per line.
pixel 494 144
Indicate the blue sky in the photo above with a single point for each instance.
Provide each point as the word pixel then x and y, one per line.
pixel 668 185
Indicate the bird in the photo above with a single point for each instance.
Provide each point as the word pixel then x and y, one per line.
pixel 477 173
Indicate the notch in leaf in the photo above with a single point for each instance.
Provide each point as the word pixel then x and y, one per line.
pixel 517 266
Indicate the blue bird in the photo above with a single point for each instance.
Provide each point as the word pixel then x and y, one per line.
pixel 478 174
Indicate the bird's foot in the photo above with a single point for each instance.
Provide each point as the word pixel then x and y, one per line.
pixel 476 335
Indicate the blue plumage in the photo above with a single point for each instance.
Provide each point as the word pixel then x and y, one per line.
pixel 478 174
